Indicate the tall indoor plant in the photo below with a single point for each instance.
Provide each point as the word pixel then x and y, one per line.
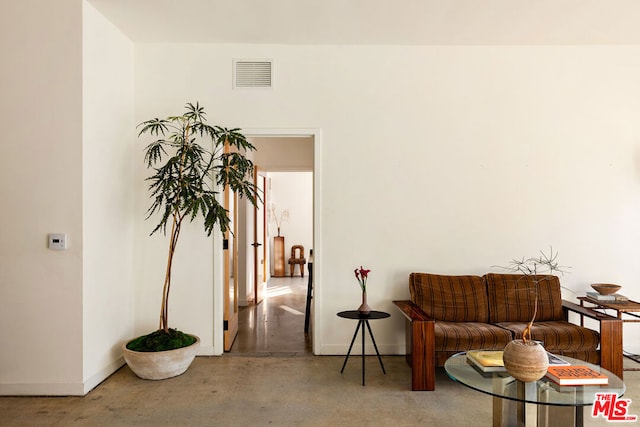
pixel 188 159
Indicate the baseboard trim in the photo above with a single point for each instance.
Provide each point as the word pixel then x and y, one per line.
pixel 41 389
pixel 341 350
pixel 75 389
pixel 208 350
pixel 61 389
pixel 95 380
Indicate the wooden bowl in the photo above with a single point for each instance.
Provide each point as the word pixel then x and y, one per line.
pixel 606 288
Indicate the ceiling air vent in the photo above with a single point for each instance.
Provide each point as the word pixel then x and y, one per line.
pixel 252 74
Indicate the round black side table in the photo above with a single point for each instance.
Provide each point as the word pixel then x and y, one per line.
pixel 363 319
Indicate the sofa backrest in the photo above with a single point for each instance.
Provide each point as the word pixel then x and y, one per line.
pixel 512 298
pixel 450 298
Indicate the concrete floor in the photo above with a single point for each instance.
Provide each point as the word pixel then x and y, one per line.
pixel 271 378
pixel 276 325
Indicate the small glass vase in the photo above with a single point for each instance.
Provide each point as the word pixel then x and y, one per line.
pixel 364 307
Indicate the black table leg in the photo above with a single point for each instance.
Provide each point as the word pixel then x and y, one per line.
pixel 374 346
pixel 362 320
pixel 579 418
pixel 360 323
pixel 350 346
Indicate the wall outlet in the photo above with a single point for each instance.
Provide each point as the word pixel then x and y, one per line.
pixel 57 241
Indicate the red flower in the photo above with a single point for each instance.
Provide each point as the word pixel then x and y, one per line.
pixel 361 275
pixel 364 273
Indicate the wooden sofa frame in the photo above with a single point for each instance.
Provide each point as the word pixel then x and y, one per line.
pixel 420 341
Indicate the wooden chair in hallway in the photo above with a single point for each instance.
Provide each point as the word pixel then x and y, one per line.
pixel 297 258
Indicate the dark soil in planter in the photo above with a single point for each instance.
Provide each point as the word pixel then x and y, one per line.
pixel 161 341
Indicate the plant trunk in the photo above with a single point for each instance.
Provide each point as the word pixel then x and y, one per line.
pixel 175 231
pixel 164 310
pixel 526 334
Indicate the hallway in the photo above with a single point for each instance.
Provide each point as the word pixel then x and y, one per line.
pixel 276 325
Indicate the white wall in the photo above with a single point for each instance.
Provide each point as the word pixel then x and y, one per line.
pixel 292 191
pixel 67 113
pixel 441 159
pixel 41 186
pixel 108 212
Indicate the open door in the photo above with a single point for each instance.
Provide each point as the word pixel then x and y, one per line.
pixel 259 239
pixel 230 270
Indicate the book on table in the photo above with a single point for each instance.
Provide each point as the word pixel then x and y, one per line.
pixel 576 375
pixel 606 298
pixel 599 297
pixel 487 360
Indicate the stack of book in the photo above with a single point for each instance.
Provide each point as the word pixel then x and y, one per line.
pixel 606 298
pixel 576 375
pixel 491 360
pixel 559 371
pixel 486 360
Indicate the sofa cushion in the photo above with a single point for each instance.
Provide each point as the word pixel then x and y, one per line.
pixel 463 336
pixel 512 297
pixel 557 336
pixel 450 298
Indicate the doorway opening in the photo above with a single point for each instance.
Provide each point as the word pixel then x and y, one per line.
pixel 273 314
pixel 276 325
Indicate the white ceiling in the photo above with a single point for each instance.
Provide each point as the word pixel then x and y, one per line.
pixel 405 22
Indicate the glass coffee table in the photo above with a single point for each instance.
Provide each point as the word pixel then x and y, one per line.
pixel 554 405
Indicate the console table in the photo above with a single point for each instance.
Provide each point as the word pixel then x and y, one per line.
pixel 610 335
pixel 622 308
pixel 555 405
pixel 625 311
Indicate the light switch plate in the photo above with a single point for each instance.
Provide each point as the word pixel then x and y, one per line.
pixel 57 241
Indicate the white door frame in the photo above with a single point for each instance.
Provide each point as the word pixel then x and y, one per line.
pixel 218 276
pixel 259 224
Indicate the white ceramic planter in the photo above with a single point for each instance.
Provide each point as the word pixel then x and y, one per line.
pixel 160 365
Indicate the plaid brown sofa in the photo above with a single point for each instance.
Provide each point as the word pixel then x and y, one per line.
pixel 450 314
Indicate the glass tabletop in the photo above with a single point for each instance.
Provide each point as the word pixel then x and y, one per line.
pixel 543 391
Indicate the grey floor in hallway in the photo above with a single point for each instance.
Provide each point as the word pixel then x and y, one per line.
pixel 276 325
pixel 271 378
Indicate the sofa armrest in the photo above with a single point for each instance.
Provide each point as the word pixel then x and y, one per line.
pixel 420 345
pixel 411 311
pixel 610 335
